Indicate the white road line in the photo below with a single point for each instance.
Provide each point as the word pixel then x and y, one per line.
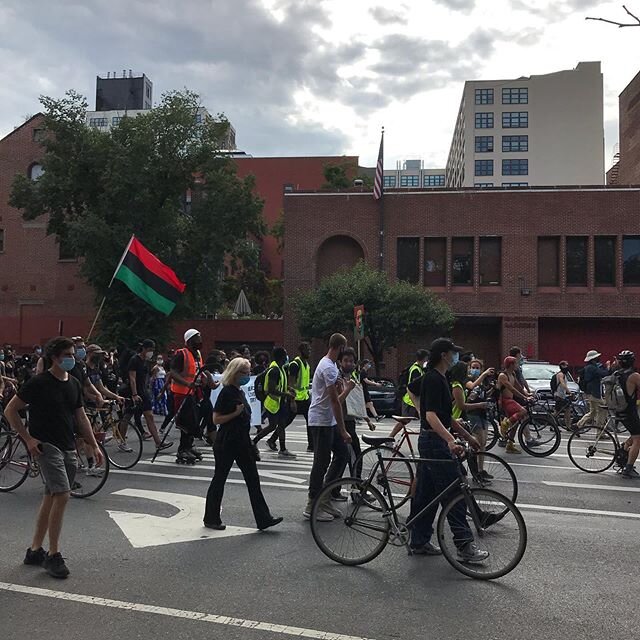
pixel 269 473
pixel 579 485
pixel 587 512
pixel 178 613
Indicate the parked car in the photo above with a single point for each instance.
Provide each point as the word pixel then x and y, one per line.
pixel 384 399
pixel 538 376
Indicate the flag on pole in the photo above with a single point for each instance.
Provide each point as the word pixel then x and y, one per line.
pixel 147 277
pixel 378 188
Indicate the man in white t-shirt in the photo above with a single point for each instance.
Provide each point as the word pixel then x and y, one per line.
pixel 327 428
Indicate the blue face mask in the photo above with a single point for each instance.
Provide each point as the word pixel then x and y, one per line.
pixel 455 359
pixel 1 357
pixel 244 380
pixel 81 353
pixel 474 373
pixel 68 363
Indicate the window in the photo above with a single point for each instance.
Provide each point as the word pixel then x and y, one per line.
pixel 435 262
pixel 631 260
pixel 97 122
pixel 484 168
pixel 515 143
pixel 287 187
pixel 116 120
pixel 484 144
pixel 515 119
pixel 576 256
pixel 1 240
pixel 482 185
pixel 515 184
pixel 38 135
pixel 484 96
pixel 434 181
pixel 518 167
pixel 549 261
pixel 605 261
pixel 65 250
pixel 198 118
pixel 148 91
pixel 484 120
pixel 515 96
pixel 35 171
pixel 408 259
pixel 462 261
pixel 389 181
pixel 490 261
pixel 409 181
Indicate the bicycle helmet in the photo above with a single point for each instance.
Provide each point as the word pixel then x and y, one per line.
pixel 626 357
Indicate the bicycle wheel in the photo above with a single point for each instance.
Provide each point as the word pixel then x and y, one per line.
pixel 497 527
pixel 361 531
pixel 89 479
pixel 493 433
pixel 124 447
pixel 15 461
pixel 544 436
pixel 592 450
pixel 502 477
pixel 399 473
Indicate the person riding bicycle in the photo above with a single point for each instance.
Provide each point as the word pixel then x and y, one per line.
pixel 629 380
pixel 510 389
pixel 479 386
pixel 562 394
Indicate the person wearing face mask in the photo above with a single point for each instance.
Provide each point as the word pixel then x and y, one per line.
pixel 479 386
pixel 94 363
pixel 416 370
pixel 158 379
pixel 562 393
pixel 138 375
pixel 233 444
pixel 55 412
pixel 437 442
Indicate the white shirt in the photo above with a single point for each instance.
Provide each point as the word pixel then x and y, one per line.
pixel 320 411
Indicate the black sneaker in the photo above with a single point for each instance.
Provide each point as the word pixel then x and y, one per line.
pixel 35 558
pixel 270 523
pixel 216 526
pixel 272 445
pixel 54 565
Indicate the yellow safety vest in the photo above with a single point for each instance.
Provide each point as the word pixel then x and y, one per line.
pixel 414 367
pixel 304 377
pixel 456 413
pixel 272 403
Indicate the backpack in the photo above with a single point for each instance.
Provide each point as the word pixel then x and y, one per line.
pixel 403 381
pixel 614 392
pixel 582 382
pixel 554 383
pixel 259 386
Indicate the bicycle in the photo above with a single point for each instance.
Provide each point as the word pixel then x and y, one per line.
pixel 495 521
pixel 17 464
pixel 596 449
pixel 120 436
pixel 400 476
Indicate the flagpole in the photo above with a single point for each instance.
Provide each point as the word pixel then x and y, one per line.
pixel 95 320
pixel 381 210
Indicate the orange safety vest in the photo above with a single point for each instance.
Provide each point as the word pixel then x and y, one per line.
pixel 189 375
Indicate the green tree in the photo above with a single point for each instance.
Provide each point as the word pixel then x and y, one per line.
pixel 99 188
pixel 394 311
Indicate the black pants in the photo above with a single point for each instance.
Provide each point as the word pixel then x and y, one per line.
pixel 326 440
pixel 278 422
pixel 354 450
pixel 170 411
pixel 227 451
pixel 303 410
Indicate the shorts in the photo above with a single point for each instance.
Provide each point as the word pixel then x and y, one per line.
pixel 408 411
pixel 562 404
pixel 58 469
pixel 477 421
pixel 631 421
pixel 145 405
pixel 510 407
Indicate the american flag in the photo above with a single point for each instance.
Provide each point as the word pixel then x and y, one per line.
pixel 378 189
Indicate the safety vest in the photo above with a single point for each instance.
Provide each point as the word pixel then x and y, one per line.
pixel 355 376
pixel 304 377
pixel 414 367
pixel 272 403
pixel 189 372
pixel 456 412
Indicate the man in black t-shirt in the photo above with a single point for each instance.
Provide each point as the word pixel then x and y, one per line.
pixel 55 406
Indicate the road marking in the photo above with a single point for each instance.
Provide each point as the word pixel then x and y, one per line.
pixel 602 487
pixel 178 613
pixel 144 530
pixel 588 512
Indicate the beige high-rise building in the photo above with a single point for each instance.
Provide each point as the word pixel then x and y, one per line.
pixel 530 131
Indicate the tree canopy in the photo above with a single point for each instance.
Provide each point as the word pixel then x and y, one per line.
pixel 159 176
pixel 394 311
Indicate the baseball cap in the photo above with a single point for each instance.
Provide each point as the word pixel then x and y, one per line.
pixel 95 348
pixel 440 345
pixel 189 333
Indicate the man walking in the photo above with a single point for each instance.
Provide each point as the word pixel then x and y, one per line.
pixel 55 405
pixel 592 375
pixel 299 380
pixel 327 428
pixel 416 370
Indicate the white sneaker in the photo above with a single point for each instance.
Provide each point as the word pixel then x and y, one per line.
pixel 322 516
pixel 123 446
pixel 331 510
pixel 95 471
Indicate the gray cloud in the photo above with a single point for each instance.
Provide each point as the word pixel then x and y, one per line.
pixel 387 16
pixel 466 6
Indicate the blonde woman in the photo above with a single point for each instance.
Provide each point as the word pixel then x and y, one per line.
pixel 232 444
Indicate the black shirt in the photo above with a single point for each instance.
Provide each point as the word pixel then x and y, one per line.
pixel 139 365
pixel 52 405
pixel 435 396
pixel 228 399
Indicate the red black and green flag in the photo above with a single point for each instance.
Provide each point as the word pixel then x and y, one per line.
pixel 148 278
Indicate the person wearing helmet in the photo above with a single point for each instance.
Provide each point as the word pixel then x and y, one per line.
pixel 630 382
pixel 510 389
pixel 592 375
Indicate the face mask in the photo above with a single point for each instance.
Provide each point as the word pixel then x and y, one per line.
pixel 474 373
pixel 454 360
pixel 38 351
pixel 67 363
pixel 160 361
pixel 81 353
pixel 148 355
pixel 244 380
pixel 521 361
pixel 1 357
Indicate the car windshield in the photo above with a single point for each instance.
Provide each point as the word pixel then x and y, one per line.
pixel 539 371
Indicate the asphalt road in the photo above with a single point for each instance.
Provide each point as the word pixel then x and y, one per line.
pixel 578 579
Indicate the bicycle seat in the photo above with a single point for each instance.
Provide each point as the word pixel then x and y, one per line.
pixel 377 441
pixel 404 419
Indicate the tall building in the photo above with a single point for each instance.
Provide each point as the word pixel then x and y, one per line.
pixel 530 131
pixel 123 93
pixel 412 174
pixel 628 167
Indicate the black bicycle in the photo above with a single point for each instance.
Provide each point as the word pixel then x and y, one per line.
pixel 369 520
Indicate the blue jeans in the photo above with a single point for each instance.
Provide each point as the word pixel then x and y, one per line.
pixel 432 479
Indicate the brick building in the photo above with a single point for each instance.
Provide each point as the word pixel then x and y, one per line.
pixel 554 270
pixel 628 169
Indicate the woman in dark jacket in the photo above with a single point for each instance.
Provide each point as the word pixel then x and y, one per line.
pixel 232 414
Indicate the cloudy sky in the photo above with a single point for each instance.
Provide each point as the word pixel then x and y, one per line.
pixel 311 77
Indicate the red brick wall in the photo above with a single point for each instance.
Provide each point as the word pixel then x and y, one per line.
pixel 265 332
pixel 629 123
